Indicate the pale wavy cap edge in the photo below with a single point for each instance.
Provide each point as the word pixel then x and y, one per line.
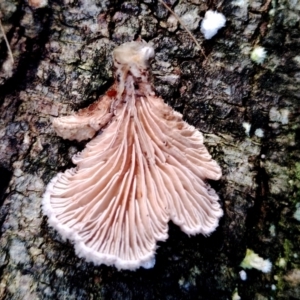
pixel 83 251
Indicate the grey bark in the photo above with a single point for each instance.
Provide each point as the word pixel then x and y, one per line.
pixel 62 62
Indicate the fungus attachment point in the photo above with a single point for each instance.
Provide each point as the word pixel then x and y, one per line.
pixel 146 167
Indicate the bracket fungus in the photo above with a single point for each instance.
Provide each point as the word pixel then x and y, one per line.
pixel 144 167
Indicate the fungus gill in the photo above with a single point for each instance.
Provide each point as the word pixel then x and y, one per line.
pixel 146 167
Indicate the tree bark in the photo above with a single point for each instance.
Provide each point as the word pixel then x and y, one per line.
pixel 62 62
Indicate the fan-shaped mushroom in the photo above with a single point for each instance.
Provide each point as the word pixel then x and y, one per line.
pixel 146 167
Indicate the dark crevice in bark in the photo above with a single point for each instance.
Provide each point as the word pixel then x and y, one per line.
pixel 5 176
pixel 30 59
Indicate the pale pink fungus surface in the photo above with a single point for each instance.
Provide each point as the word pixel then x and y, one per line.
pixel 146 167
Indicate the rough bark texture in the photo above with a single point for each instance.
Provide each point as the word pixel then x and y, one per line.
pixel 63 62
